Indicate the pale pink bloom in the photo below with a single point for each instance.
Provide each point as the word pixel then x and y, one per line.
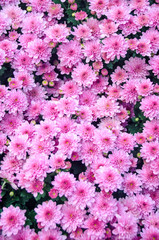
pixel 10 123
pixel 155 166
pixel 132 43
pixel 119 14
pixel 136 67
pixel 38 50
pixel 3 141
pixel 19 146
pixel 50 110
pixel 108 178
pixel 92 23
pixel 36 166
pixel 154 65
pixel 69 53
pixel 38 93
pixel 65 124
pixel 34 110
pixel 83 75
pixel 12 220
pixel 95 228
pixel 3 93
pixel 86 131
pixel 152 35
pixel 55 11
pixel 92 51
pixel 70 89
pixel 114 92
pixel 9 47
pixel 72 218
pixel 33 23
pixel 142 20
pixel 67 106
pixel 80 15
pixel 153 13
pixel 141 5
pixel 25 79
pixel 98 6
pixel 114 46
pixel 89 152
pixel 57 33
pixel 87 98
pixel 82 32
pixel 120 159
pixel 15 14
pixel 144 204
pixel 2 110
pixel 122 115
pixel 104 209
pixel 144 47
pixel 132 184
pixel 68 142
pixel 2 57
pixel 52 234
pixel 4 23
pixel 126 141
pixel 155 196
pixel 84 114
pixel 145 87
pixel 15 84
pixel 64 182
pixel 105 139
pixel 34 187
pixel 152 220
pixel 48 214
pixel 23 62
pixel 83 195
pixel 40 5
pixel 99 85
pixel 47 129
pixel 119 76
pixel 126 228
pixel 129 92
pixel 107 107
pixel 150 106
pixel 148 178
pixel 57 161
pixel 23 234
pixel 130 27
pixel 26 38
pixel 150 233
pixel 140 138
pixel 107 28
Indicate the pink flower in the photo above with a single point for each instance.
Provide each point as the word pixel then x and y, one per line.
pixel 80 15
pixel 83 75
pixel 136 67
pixel 2 57
pixel 154 65
pixel 119 76
pixel 105 139
pixel 150 233
pixel 19 146
pixel 114 46
pixel 126 228
pixel 55 11
pixel 99 6
pixel 126 141
pixel 108 178
pixel 72 218
pixel 52 234
pixel 48 214
pixel 150 106
pixel 92 50
pixel 107 107
pixel 69 53
pixel 107 28
pixel 64 182
pixel 104 209
pixel 83 195
pixel 95 228
pixel 57 161
pixel 57 33
pixel 40 5
pixel 152 221
pixel 4 23
pixel 67 106
pixel 131 184
pixel 82 32
pixel 145 87
pixel 129 93
pixel 12 220
pixel 23 62
pixel 119 14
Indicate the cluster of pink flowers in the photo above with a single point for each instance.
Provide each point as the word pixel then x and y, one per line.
pixel 63 104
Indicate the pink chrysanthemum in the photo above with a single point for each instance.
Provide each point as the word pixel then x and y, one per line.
pixel 40 5
pixel 67 106
pixel 57 33
pixel 104 209
pixel 89 152
pixel 105 139
pixel 120 159
pixel 150 106
pixel 107 107
pixel 83 195
pixel 64 182
pixel 69 53
pixel 95 228
pixel 152 220
pixel 108 178
pixel 48 214
pixel 107 28
pixel 55 11
pixel 52 234
pixel 2 57
pixel 119 76
pixel 92 50
pixel 82 32
pixel 131 184
pixel 114 46
pixel 145 87
pixel 57 161
pixel 18 146
pixel 129 92
pixel 150 233
pixel 83 75
pixel 72 218
pixel 98 6
pixel 4 23
pixel 12 220
pixel 154 65
pixel 119 14
pixel 126 228
pixel 126 141
pixel 136 67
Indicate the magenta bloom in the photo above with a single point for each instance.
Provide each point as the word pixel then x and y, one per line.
pixel 48 214
pixel 12 220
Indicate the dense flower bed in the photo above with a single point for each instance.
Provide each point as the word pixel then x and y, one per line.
pixel 79 128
